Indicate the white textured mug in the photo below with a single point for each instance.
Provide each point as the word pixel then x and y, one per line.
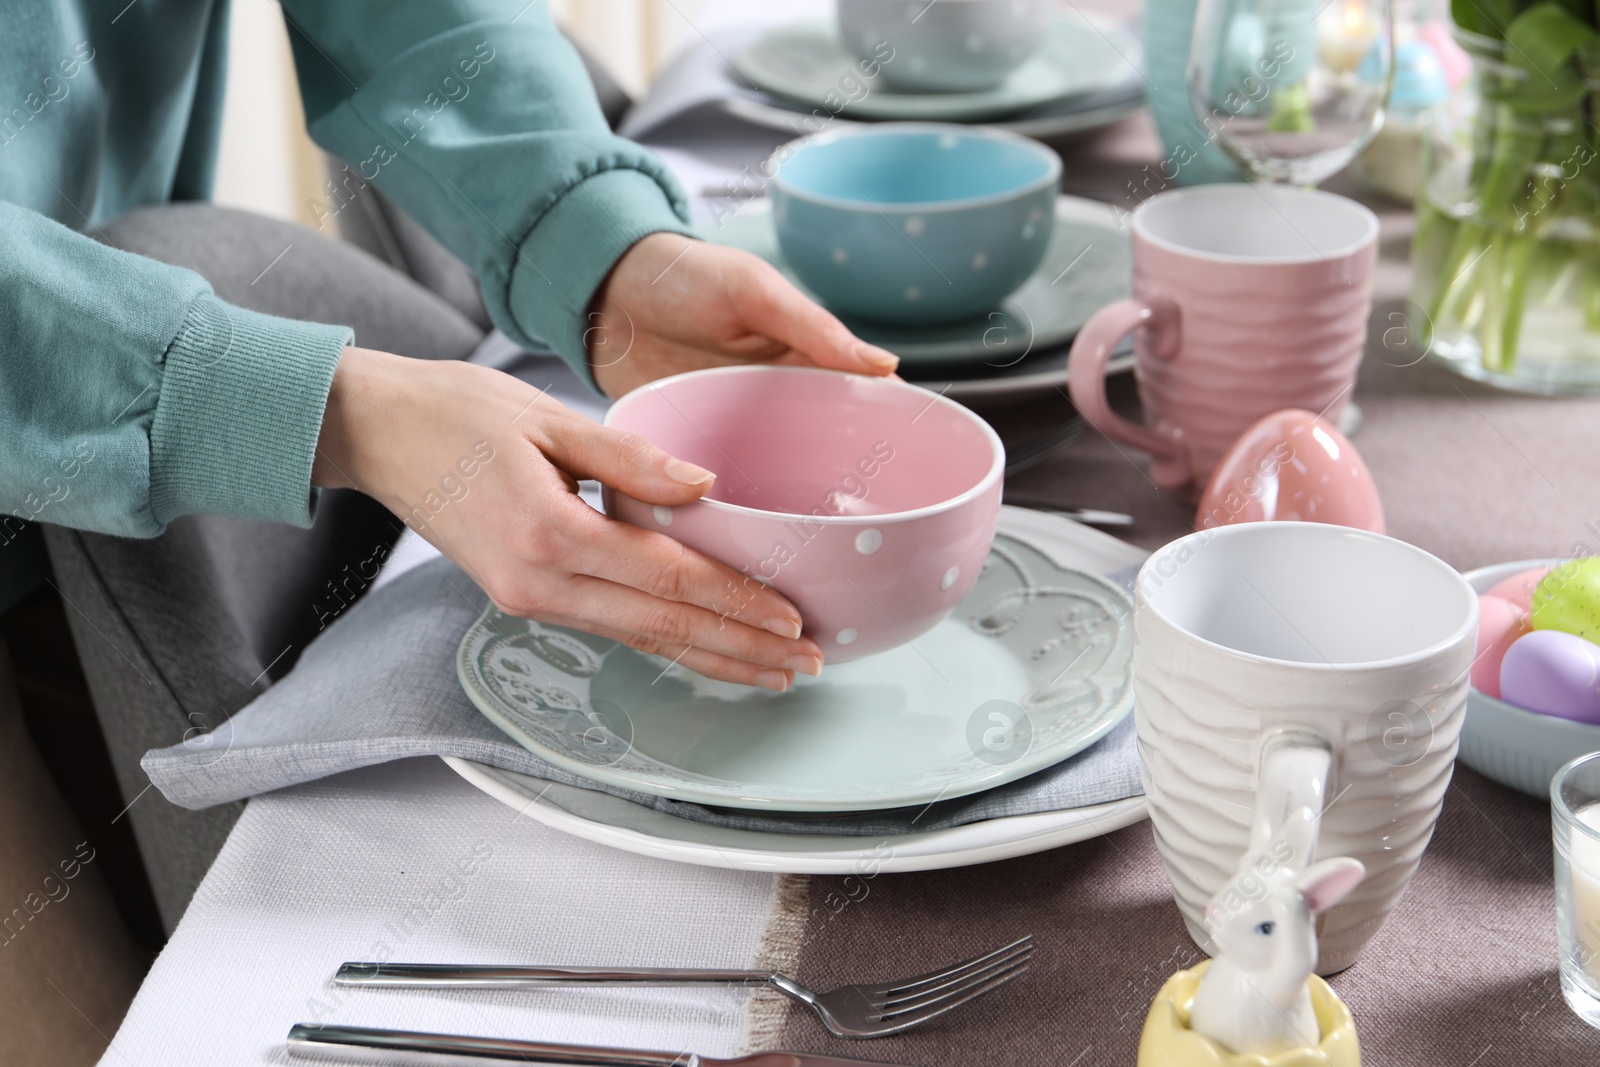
pixel 1249 634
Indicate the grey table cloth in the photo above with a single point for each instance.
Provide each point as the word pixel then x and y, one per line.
pixel 1464 972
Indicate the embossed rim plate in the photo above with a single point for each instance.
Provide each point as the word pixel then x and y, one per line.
pixel 805 62
pixel 1062 119
pixel 611 820
pixel 1086 267
pixel 886 731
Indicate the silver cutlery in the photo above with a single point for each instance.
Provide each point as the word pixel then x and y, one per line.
pixel 1092 516
pixel 1087 516
pixel 869 1009
pixel 360 1044
pixel 1045 445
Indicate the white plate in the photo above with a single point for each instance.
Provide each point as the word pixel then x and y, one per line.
pixel 904 727
pixel 609 820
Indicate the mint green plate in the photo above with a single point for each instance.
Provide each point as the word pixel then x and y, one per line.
pixel 1086 267
pixel 1032 667
pixel 807 63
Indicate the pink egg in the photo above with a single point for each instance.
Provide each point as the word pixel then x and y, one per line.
pixel 1500 622
pixel 1553 673
pixel 1519 587
pixel 1291 466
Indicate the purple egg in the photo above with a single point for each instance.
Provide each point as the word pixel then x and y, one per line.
pixel 1553 673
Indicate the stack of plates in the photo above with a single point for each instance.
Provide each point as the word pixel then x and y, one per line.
pixel 1021 346
pixel 722 775
pixel 1085 75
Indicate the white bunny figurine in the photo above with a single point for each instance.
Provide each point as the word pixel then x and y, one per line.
pixel 1254 998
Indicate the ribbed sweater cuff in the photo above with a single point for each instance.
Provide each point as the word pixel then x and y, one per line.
pixel 572 249
pixel 236 425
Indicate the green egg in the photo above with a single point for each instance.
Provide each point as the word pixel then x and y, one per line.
pixel 1568 598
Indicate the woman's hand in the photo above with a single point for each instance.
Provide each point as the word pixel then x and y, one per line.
pixel 486 467
pixel 673 304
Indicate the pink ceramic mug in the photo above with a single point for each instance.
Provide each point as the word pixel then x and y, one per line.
pixel 1247 299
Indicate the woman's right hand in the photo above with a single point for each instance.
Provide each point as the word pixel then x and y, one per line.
pixel 486 468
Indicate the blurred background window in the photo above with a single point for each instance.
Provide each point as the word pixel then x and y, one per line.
pixel 269 165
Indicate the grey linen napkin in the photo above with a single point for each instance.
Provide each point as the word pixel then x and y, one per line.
pixel 381 685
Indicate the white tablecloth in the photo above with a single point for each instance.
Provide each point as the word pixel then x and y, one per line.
pixel 408 863
pixel 372 864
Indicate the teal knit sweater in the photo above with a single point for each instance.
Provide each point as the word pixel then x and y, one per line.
pixel 130 394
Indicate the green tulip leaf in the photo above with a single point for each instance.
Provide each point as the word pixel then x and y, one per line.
pixel 1503 183
pixel 1487 18
pixel 1545 44
pixel 1543 39
pixel 1581 10
pixel 1561 90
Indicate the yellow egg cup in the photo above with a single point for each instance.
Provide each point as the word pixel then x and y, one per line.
pixel 1167 1040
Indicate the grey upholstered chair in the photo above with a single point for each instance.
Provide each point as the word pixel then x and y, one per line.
pixel 225 604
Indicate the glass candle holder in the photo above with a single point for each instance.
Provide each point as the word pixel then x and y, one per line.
pixel 1575 812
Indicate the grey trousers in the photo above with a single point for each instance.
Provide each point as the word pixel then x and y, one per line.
pixel 177 633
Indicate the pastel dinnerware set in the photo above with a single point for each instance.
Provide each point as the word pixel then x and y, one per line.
pixel 1298 680
pixel 919 225
pixel 944 241
pixel 1298 686
pixel 1266 661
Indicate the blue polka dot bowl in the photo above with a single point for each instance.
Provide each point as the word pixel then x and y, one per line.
pixel 915 223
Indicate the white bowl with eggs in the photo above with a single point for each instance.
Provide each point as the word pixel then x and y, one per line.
pixel 1518 748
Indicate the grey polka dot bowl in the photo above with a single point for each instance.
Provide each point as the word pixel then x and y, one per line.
pixel 914 222
pixel 949 46
pixel 869 502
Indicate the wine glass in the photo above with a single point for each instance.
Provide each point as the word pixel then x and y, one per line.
pixel 1292 89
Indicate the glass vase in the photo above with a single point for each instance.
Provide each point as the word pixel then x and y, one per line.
pixel 1506 256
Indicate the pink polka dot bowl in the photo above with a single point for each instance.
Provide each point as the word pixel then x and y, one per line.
pixel 868 502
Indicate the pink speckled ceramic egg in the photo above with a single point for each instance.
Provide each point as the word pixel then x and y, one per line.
pixel 869 502
pixel 1519 587
pixel 1291 466
pixel 1500 622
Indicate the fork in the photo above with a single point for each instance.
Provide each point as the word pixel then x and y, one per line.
pixel 869 1009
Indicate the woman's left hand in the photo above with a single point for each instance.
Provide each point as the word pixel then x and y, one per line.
pixel 674 304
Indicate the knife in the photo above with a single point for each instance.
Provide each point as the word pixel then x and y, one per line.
pixel 360 1044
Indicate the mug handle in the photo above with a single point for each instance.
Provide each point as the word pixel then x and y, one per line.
pixel 1086 380
pixel 1291 791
